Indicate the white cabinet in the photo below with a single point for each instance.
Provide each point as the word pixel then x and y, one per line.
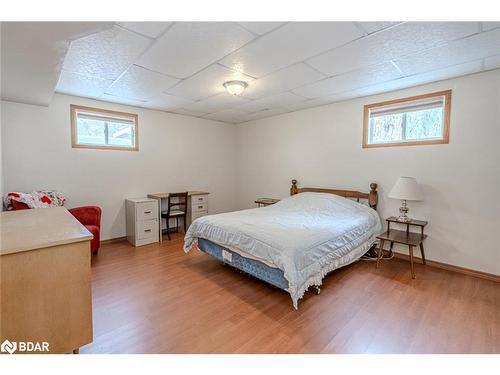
pixel 198 206
pixel 142 221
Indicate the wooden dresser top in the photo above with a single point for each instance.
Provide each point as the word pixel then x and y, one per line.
pixel 39 228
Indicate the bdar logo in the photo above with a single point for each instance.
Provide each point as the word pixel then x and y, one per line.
pixel 8 347
pixel 24 346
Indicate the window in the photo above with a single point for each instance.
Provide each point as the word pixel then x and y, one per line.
pixel 103 129
pixel 418 120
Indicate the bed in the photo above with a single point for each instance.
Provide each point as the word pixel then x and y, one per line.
pixel 296 242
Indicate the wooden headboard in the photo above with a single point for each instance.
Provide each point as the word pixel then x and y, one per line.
pixel 372 196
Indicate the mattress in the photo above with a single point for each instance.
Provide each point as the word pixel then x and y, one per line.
pixel 305 236
pixel 271 275
pixel 264 271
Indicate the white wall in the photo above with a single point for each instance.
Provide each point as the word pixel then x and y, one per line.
pixel 176 153
pixel 1 164
pixel 1 160
pixel 321 147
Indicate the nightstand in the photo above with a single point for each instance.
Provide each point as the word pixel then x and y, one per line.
pixel 411 239
pixel 262 202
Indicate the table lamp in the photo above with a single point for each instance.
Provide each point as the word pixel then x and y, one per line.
pixel 406 189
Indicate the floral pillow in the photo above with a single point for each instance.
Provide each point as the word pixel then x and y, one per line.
pixel 35 199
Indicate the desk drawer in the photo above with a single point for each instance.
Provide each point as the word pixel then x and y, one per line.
pixel 147 229
pixel 196 199
pixel 199 207
pixel 147 210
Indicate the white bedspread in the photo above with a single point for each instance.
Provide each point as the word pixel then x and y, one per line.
pixel 304 235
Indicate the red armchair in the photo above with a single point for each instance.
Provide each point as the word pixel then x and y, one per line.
pixel 90 217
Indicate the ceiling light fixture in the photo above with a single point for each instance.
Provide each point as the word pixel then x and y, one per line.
pixel 235 87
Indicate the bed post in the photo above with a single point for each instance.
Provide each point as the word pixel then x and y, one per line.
pixel 373 196
pixel 293 189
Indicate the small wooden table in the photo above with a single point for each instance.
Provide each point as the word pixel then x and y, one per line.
pixel 262 202
pixel 411 239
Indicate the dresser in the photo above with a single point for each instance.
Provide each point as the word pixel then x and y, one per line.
pixel 142 221
pixel 45 281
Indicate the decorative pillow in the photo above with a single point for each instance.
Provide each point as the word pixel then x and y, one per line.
pixel 35 199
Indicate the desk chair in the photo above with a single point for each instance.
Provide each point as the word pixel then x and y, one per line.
pixel 176 207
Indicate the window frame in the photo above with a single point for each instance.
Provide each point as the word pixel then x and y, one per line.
pixel 446 121
pixel 105 113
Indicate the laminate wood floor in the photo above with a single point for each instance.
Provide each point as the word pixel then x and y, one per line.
pixel 157 299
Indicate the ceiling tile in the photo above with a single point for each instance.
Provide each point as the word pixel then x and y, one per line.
pixel 168 102
pixel 346 95
pixel 324 100
pixel 31 55
pixel 309 103
pixel 141 84
pixel 269 102
pixel 101 64
pixel 371 27
pixel 149 29
pixel 106 54
pixel 120 100
pixel 282 80
pixel 492 62
pixel 207 83
pixel 216 103
pixel 490 25
pixel 420 79
pixel 290 44
pixel 260 28
pixel 262 114
pixel 350 81
pixel 186 112
pixel 391 43
pixel 228 115
pixel 81 85
pixel 472 48
pixel 190 46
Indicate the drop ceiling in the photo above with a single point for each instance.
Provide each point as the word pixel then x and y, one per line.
pixel 180 66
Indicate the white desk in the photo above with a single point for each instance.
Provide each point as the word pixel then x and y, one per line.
pixel 197 206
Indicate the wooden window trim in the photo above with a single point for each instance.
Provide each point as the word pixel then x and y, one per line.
pixel 446 120
pixel 74 108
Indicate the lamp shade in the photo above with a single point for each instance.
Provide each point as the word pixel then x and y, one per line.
pixel 406 188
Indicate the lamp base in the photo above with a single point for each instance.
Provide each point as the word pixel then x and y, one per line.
pixel 403 210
